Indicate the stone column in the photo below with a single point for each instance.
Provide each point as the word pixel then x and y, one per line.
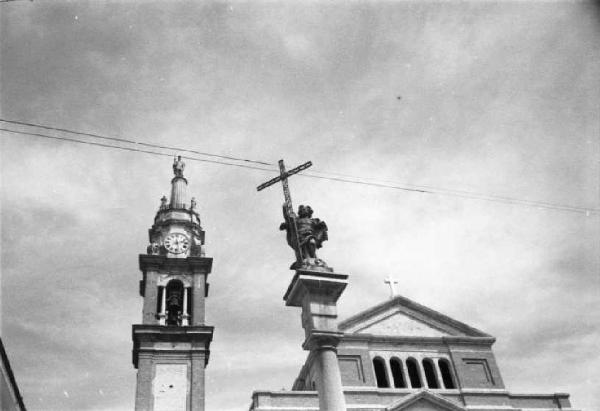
pixel 422 373
pixel 407 381
pixel 185 315
pixel 163 306
pixel 329 380
pixel 317 293
pixel 178 192
pixel 438 372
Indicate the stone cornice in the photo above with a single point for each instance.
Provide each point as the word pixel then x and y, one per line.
pixel 162 333
pixel 144 333
pixel 446 340
pixel 160 262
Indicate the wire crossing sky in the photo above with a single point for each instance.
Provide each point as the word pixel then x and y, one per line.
pixel 320 175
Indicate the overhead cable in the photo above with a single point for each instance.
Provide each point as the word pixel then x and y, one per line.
pixel 318 175
pixel 123 140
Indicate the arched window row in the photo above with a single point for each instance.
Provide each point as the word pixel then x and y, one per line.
pixel 410 373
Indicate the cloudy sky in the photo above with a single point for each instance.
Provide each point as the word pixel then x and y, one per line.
pixel 496 98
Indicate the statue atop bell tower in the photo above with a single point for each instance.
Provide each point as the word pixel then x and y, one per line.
pixel 178 167
pixel 174 287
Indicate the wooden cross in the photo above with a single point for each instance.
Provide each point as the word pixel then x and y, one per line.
pixel 392 283
pixel 288 209
pixel 283 176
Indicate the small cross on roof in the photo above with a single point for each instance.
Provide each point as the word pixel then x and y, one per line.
pixel 392 283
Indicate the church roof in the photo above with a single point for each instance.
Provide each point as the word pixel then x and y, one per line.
pixel 401 316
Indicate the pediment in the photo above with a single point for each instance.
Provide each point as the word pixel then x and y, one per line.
pixel 401 317
pixel 395 322
pixel 425 401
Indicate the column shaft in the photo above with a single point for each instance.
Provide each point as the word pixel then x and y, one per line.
pixel 184 316
pixel 331 395
pixel 178 192
pixel 422 373
pixel 438 373
pixel 407 381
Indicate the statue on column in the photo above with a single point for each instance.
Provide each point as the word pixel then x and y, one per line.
pixel 178 166
pixel 305 235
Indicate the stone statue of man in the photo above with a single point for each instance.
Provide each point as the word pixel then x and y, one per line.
pixel 178 166
pixel 311 232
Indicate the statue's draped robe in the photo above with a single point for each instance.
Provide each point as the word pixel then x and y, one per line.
pixel 300 232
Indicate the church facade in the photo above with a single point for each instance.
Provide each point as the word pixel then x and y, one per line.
pixel 400 355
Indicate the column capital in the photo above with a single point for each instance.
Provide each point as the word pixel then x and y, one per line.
pixel 322 340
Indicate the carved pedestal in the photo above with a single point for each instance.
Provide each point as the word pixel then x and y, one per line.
pixel 317 293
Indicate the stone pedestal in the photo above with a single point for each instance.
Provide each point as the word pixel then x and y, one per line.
pixel 317 293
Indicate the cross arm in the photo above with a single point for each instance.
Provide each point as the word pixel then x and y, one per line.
pixel 268 183
pixel 299 168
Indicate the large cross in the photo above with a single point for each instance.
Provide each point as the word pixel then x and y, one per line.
pixel 392 283
pixel 289 210
pixel 283 177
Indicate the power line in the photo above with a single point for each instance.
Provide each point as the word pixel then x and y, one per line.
pixel 123 140
pixel 130 149
pixel 352 179
pixel 483 197
pixel 179 149
pixel 318 174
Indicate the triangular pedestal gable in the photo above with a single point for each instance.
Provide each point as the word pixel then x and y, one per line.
pixel 396 322
pixel 425 401
pixel 403 317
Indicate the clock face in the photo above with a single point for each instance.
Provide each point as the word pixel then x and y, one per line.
pixel 177 243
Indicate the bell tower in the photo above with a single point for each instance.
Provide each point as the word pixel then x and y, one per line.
pixel 171 345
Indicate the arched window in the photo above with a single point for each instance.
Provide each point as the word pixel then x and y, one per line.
pixel 396 366
pixel 413 373
pixel 174 302
pixel 446 373
pixel 430 376
pixel 380 373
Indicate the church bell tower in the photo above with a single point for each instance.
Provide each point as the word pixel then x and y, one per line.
pixel 171 345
